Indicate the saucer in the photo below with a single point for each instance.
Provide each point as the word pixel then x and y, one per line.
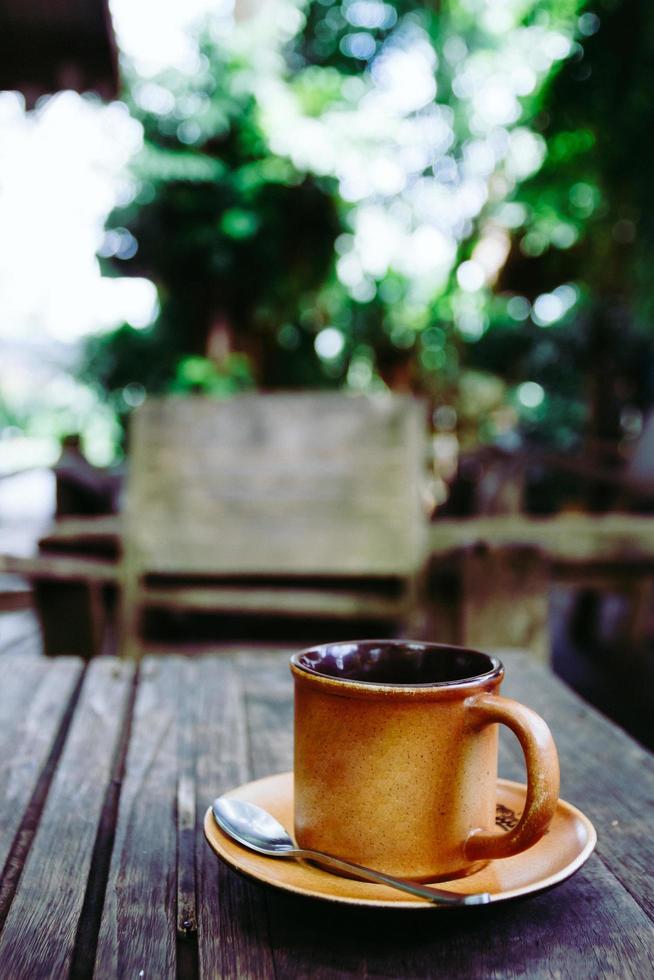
pixel 566 845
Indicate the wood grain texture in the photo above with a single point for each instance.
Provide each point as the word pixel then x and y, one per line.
pixel 233 937
pixel 203 725
pixel 138 928
pixel 34 696
pixel 39 935
pixel 563 933
pixel 268 688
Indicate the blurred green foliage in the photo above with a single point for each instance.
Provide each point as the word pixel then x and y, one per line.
pixel 265 250
pixel 231 234
pixel 587 222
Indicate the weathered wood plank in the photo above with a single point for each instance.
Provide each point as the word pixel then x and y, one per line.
pixel 138 928
pixel 60 568
pixel 20 633
pixel 603 771
pixel 233 939
pixel 186 823
pixel 293 545
pixel 336 604
pixel 34 698
pixel 39 935
pixel 568 537
pixel 268 687
pixel 204 725
pixel 100 534
pixel 322 464
pixel 595 931
pixel 14 600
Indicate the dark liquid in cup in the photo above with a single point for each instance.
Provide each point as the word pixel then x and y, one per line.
pixel 385 662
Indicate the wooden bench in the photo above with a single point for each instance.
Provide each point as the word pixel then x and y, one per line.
pixel 491 575
pixel 489 579
pixel 73 597
pixel 285 505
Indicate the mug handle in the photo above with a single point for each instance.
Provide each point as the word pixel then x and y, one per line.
pixel 542 777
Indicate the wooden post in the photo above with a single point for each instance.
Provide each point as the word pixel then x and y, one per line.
pixel 504 599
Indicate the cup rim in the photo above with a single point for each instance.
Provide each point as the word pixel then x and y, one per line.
pixel 347 684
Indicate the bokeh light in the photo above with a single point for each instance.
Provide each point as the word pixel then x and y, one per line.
pixel 425 139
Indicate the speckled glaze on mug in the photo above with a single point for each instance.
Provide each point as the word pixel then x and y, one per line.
pixel 396 757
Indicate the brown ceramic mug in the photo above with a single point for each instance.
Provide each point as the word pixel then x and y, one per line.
pixel 396 757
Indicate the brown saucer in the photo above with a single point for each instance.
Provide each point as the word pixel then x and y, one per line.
pixel 562 851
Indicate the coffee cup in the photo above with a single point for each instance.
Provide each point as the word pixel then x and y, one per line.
pixel 396 758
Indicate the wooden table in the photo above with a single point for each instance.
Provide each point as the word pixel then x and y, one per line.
pixel 106 772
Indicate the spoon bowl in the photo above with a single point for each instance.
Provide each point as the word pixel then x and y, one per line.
pixel 252 826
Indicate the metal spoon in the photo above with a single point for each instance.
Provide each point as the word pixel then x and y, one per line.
pixel 257 829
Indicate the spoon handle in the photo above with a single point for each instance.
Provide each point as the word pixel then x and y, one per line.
pixel 436 895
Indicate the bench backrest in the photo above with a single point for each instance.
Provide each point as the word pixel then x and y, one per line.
pixel 284 484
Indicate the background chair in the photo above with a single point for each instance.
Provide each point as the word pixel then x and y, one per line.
pixel 286 506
